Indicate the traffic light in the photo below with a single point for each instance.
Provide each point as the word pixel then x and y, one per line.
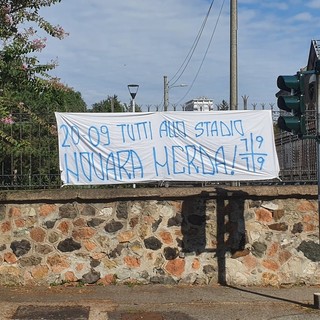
pixel 291 99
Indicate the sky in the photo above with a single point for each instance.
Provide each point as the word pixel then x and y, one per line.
pixel 114 43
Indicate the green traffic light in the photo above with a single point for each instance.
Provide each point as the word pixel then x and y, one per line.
pixel 292 124
pixel 288 103
pixel 293 104
pixel 288 82
pixel 291 99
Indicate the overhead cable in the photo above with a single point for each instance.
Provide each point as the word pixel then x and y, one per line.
pixel 187 59
pixel 205 54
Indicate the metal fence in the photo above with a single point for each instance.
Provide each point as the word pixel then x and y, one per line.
pixel 36 166
pixel 298 157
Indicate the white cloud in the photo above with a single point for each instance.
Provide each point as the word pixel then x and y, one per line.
pixel 314 4
pixel 113 43
pixel 303 16
pixel 276 5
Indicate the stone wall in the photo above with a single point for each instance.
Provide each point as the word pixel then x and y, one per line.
pixel 240 236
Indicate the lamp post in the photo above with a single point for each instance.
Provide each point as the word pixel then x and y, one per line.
pixel 133 90
pixel 166 88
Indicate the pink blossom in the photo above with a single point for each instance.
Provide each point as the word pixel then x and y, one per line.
pixel 7 120
pixel 6 8
pixel 8 19
pixel 59 32
pixel 38 44
pixel 24 67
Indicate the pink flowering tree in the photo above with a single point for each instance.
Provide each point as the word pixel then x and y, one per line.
pixel 20 68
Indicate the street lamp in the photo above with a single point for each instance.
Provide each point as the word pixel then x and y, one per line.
pixel 133 90
pixel 166 88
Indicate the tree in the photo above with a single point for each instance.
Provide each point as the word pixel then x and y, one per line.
pixel 223 106
pixel 111 104
pixel 52 100
pixel 29 95
pixel 36 163
pixel 20 69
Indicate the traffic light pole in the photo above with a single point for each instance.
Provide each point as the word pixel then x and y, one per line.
pixel 291 99
pixel 318 143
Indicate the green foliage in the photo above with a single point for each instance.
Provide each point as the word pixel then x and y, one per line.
pixel 223 106
pixel 66 100
pixel 31 141
pixel 112 104
pixel 29 95
pixel 23 79
pixel 20 69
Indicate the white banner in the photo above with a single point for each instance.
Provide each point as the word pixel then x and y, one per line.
pixel 113 148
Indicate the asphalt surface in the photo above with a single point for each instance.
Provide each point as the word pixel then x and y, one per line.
pixel 157 302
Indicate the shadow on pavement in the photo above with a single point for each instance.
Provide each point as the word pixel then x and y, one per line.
pixel 305 305
pixel 148 316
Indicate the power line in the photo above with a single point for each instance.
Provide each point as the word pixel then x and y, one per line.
pixel 205 54
pixel 188 57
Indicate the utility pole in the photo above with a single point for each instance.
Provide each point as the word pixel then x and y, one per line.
pixel 166 89
pixel 165 93
pixel 318 141
pixel 233 62
pixel 112 104
pixel 233 55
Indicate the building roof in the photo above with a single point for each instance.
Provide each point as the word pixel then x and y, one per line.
pixel 314 54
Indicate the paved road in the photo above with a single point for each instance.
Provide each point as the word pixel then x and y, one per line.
pixel 156 302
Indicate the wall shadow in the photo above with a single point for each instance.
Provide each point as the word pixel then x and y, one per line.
pixel 193 225
pixel 231 230
pixel 230 226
